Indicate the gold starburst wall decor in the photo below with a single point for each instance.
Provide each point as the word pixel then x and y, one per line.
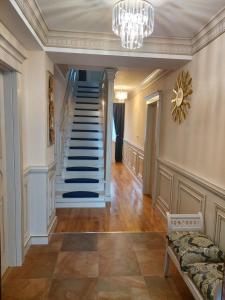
pixel 181 103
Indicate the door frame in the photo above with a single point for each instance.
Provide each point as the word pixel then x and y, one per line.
pixel 152 99
pixel 13 166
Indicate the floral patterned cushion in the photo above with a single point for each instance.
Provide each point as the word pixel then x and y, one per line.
pixel 207 277
pixel 194 247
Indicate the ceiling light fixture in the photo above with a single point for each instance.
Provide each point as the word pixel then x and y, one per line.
pixel 132 21
pixel 121 95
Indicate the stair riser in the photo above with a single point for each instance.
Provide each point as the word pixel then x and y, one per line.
pixel 84 143
pixel 86 126
pixel 74 187
pixel 94 135
pixel 88 90
pixel 87 119
pixel 88 106
pixel 84 163
pixel 85 174
pixel 83 152
pixel 88 83
pixel 87 113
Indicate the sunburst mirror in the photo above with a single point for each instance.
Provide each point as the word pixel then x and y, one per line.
pixel 181 103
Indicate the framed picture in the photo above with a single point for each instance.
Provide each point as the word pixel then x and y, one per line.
pixel 51 110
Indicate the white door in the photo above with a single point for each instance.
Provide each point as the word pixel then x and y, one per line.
pixel 2 180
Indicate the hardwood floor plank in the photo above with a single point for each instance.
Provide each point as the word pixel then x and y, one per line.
pixel 129 211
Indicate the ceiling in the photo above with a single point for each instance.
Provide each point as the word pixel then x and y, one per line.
pixel 129 79
pixel 173 18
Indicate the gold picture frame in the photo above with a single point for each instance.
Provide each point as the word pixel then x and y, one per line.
pixel 51 110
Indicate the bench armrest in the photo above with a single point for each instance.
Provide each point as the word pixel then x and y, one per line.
pixel 185 222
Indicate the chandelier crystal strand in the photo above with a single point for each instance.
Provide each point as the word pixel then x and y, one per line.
pixel 133 20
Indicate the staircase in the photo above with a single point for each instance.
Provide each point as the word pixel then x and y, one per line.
pixel 81 183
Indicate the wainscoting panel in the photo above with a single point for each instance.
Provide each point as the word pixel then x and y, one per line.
pixel 39 204
pixel 220 225
pixel 179 191
pixel 165 190
pixel 133 158
pixel 189 200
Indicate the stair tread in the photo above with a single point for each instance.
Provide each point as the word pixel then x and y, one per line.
pixel 87 109
pixel 92 103
pixel 81 180
pixel 91 123
pixel 80 194
pixel 86 116
pixel 85 130
pixel 82 169
pixel 83 158
pixel 85 139
pixel 84 148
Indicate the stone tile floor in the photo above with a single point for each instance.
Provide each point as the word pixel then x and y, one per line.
pixel 96 266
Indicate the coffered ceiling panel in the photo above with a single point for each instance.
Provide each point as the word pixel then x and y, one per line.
pixel 174 18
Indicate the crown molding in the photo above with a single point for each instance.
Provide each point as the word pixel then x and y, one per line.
pixel 12 53
pixel 109 42
pixel 149 80
pixel 210 32
pixel 32 13
pixel 104 41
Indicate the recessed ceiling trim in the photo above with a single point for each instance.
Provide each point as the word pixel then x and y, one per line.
pixel 118 53
pixel 98 41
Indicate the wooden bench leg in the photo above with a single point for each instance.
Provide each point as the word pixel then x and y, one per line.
pixel 166 264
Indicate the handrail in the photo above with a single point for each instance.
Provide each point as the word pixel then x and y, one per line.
pixel 71 80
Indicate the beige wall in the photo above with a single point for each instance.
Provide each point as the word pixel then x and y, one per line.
pixel 35 110
pixel 198 144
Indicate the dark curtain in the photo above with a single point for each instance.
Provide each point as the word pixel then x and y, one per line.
pixel 82 75
pixel 118 113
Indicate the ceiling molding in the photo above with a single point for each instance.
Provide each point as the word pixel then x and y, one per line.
pixel 32 13
pixel 149 80
pixel 96 41
pixel 10 48
pixel 210 32
pixel 109 42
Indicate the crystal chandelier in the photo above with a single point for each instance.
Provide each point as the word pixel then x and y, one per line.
pixel 132 21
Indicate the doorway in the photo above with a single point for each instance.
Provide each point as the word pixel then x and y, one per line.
pixel 151 149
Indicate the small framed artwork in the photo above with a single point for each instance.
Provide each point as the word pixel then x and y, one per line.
pixel 51 110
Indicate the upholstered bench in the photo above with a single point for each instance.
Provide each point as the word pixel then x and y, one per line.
pixel 198 260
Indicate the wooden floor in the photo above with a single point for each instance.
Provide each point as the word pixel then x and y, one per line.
pixel 129 210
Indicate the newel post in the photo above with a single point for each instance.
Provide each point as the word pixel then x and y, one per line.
pixel 110 76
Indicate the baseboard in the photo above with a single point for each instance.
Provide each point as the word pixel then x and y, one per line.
pixel 39 240
pixel 80 205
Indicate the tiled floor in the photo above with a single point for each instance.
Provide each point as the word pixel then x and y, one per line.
pixel 97 266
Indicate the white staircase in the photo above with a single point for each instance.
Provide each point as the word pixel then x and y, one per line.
pixel 81 183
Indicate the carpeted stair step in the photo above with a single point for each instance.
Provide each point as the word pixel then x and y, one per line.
pixel 84 130
pixel 86 116
pixel 84 148
pixel 81 194
pixel 85 139
pixel 92 123
pixel 83 158
pixel 82 169
pixel 81 180
pixel 86 109
pixel 89 103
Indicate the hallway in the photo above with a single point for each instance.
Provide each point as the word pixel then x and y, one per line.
pixel 129 210
pixel 101 266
